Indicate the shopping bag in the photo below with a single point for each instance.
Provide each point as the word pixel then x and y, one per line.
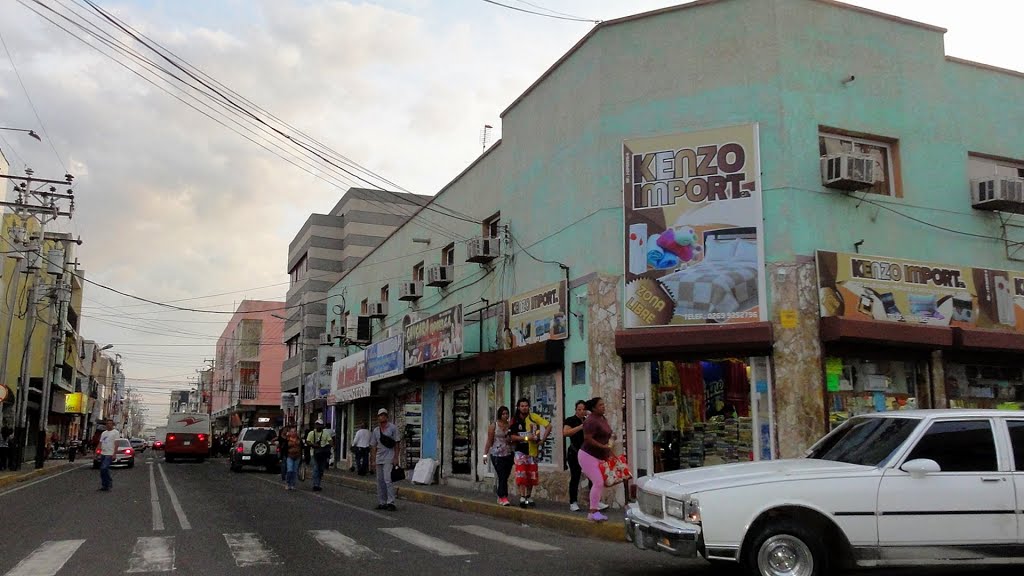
pixel 397 474
pixel 615 470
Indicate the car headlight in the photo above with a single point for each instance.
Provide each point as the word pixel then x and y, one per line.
pixel 685 510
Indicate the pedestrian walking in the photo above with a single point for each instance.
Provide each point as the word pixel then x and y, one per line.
pixel 499 449
pixel 361 449
pixel 529 431
pixel 597 447
pixel 572 428
pixel 386 449
pixel 282 452
pixel 321 442
pixel 292 453
pixel 107 441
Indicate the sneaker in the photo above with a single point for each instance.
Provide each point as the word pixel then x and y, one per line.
pixel 574 507
pixel 505 502
pixel 522 502
pixel 530 502
pixel 596 517
pixel 390 508
pixel 602 506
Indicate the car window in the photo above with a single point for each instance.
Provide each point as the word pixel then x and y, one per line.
pixel 959 446
pixel 865 441
pixel 122 443
pixel 259 435
pixel 1017 440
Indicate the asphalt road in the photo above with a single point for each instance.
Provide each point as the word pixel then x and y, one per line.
pixel 193 518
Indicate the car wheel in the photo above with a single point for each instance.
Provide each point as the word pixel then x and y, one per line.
pixel 260 449
pixel 95 465
pixel 169 459
pixel 786 548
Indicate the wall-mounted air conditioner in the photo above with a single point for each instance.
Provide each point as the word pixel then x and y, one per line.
pixel 847 171
pixel 376 309
pixel 483 249
pixel 440 275
pixel 410 291
pixel 998 193
pixel 325 339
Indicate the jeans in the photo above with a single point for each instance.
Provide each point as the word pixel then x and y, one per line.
pixel 385 487
pixel 575 472
pixel 592 468
pixel 502 469
pixel 105 481
pixel 291 471
pixel 362 460
pixel 319 466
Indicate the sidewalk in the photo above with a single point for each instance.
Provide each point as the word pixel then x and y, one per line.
pixel 29 472
pixel 553 515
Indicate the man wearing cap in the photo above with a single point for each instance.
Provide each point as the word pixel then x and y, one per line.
pixel 385 455
pixel 321 442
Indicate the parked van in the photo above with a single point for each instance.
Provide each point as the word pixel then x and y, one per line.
pixel 188 436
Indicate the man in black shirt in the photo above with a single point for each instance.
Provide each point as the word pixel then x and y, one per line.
pixel 572 428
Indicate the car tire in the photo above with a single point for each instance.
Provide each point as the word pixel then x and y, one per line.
pixel 131 464
pixel 95 465
pixel 786 547
pixel 235 467
pixel 169 459
pixel 260 449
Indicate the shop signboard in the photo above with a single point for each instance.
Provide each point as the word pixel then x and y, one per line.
pixel 384 359
pixel 693 236
pixel 74 403
pixel 350 378
pixel 434 338
pixel 896 290
pixel 538 315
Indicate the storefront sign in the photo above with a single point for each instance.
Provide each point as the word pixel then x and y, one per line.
pixel 896 290
pixel 384 359
pixel 74 403
pixel 349 378
pixel 433 338
pixel 788 319
pixel 693 228
pixel 538 315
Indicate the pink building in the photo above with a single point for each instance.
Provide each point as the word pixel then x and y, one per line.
pixel 247 374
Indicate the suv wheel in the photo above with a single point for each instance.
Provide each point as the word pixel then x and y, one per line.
pixel 260 449
pixel 786 548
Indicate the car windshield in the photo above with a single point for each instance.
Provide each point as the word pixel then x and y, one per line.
pixel 122 443
pixel 864 441
pixel 259 435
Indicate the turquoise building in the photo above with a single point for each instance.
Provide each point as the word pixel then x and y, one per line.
pixel 740 222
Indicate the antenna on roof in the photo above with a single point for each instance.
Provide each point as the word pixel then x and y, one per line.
pixel 483 137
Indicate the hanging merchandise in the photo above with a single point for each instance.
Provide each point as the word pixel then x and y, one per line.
pixel 409 421
pixel 462 461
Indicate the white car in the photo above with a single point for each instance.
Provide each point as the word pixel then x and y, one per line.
pixel 908 488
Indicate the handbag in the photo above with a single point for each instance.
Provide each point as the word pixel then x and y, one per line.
pixel 387 441
pixel 397 474
pixel 615 470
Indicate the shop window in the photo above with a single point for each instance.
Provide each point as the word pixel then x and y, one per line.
pixel 863 386
pixel 882 151
pixel 701 413
pixel 579 373
pixel 959 446
pixel 1017 440
pixel 984 386
pixel 541 389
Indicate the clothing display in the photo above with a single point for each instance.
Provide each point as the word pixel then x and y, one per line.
pixel 462 437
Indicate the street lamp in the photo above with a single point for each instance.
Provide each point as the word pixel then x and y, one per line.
pixel 31 133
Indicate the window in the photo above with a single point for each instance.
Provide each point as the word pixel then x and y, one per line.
pixel 882 151
pixel 385 291
pixel 448 255
pixel 364 307
pixel 1017 440
pixel 334 326
pixel 959 446
pixel 417 272
pixel 579 373
pixel 293 346
pixel 864 441
pixel 346 325
pixel 492 226
pixel 298 272
pixel 981 166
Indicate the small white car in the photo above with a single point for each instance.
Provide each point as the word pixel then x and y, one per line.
pixel 908 488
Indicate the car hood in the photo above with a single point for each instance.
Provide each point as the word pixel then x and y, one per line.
pixel 731 475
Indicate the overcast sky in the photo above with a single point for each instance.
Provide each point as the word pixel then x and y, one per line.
pixel 173 206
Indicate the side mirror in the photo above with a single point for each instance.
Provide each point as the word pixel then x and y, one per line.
pixel 921 467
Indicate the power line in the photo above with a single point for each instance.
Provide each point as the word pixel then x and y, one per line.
pixel 554 11
pixel 555 16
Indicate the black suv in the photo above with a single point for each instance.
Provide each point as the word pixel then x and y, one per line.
pixel 255 447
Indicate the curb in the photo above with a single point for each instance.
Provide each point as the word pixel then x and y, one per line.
pixel 611 530
pixel 16 478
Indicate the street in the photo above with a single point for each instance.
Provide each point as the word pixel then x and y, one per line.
pixel 202 519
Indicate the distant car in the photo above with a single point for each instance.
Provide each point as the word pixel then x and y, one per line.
pixel 139 444
pixel 124 454
pixel 255 447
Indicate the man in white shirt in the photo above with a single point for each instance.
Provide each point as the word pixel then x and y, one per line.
pixel 107 441
pixel 361 449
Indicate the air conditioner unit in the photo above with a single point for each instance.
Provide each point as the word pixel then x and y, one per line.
pixel 351 325
pixel 364 330
pixel 410 291
pixel 325 339
pixel 483 249
pixel 440 275
pixel 338 332
pixel 998 193
pixel 847 171
pixel 376 309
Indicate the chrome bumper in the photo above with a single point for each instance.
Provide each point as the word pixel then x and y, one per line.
pixel 648 533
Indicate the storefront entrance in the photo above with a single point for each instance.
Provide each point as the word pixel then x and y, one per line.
pixel 408 417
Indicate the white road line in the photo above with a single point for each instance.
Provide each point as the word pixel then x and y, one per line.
pixel 152 554
pixel 333 501
pixel 507 539
pixel 429 543
pixel 48 559
pixel 43 479
pixel 249 550
pixel 174 501
pixel 154 499
pixel 343 545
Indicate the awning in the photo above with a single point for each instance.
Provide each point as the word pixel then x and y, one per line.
pixel 980 340
pixel 835 329
pixel 550 353
pixel 684 342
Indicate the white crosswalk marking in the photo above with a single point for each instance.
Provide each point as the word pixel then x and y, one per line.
pixel 48 559
pixel 343 545
pixel 249 550
pixel 509 539
pixel 429 543
pixel 152 554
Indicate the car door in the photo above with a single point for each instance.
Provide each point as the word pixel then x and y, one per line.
pixel 1016 429
pixel 968 502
